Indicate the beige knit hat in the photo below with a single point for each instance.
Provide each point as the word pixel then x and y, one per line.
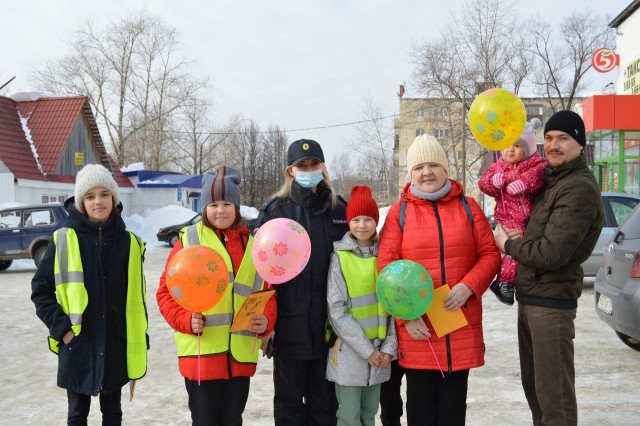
pixel 94 176
pixel 426 149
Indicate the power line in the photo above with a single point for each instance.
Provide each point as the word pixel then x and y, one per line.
pixel 280 131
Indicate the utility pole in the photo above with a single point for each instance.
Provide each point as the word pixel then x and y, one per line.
pixel 464 143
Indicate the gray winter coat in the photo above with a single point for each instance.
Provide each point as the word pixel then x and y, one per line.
pixel 354 347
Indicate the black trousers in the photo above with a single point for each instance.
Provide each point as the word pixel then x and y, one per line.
pixel 434 400
pixel 80 404
pixel 217 402
pixel 302 394
pixel 391 397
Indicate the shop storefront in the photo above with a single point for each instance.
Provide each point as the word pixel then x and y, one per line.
pixel 613 127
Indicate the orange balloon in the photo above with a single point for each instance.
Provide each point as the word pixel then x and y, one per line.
pixel 197 278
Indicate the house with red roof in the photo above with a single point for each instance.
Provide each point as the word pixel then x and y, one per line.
pixel 44 142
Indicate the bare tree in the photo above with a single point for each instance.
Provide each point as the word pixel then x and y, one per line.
pixel 479 48
pixel 197 141
pixel 343 176
pixel 135 79
pixel 374 142
pixel 563 54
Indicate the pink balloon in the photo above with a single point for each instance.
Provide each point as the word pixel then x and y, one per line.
pixel 281 249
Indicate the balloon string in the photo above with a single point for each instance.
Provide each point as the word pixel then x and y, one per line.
pixel 199 334
pixel 436 358
pixel 502 200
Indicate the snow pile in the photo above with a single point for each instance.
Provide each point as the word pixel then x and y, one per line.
pixel 133 167
pixel 27 133
pixel 147 225
pixel 31 96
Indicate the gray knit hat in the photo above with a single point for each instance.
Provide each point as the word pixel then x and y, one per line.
pixel 528 137
pixel 94 176
pixel 221 185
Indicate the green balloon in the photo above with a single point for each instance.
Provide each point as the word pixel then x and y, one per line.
pixel 405 289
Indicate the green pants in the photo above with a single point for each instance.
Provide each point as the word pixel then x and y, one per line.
pixel 358 405
pixel 545 340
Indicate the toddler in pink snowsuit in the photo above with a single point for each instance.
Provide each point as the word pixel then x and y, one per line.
pixel 514 182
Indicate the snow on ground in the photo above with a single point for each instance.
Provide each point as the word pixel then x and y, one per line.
pixel 607 372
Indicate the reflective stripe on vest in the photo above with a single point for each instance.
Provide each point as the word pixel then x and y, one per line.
pixel 72 295
pixel 361 274
pixel 215 336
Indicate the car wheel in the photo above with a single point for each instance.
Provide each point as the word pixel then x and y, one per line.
pixel 173 239
pixel 4 264
pixel 632 342
pixel 39 254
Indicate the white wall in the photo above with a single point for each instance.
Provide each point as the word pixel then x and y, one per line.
pixel 7 194
pixel 31 191
pixel 155 198
pixel 628 48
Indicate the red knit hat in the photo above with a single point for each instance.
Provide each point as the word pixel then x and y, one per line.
pixel 362 204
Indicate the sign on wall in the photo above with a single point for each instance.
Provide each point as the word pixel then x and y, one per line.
pixel 631 78
pixel 605 60
pixel 79 158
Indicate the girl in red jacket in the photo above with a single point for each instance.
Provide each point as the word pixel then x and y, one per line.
pixel 514 181
pixel 450 236
pixel 218 385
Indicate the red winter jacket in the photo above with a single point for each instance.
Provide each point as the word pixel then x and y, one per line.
pixel 212 366
pixel 466 253
pixel 513 211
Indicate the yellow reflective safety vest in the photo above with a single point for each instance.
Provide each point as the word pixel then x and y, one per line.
pixel 72 295
pixel 361 274
pixel 216 337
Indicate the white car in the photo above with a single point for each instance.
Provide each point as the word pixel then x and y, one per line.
pixel 617 207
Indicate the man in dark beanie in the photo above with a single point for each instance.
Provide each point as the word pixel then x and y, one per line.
pixel 564 227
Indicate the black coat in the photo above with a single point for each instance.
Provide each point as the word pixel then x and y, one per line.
pixel 302 302
pixel 96 359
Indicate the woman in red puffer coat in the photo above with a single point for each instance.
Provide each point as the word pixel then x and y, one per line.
pixel 453 241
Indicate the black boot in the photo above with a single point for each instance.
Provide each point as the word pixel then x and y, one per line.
pixel 503 291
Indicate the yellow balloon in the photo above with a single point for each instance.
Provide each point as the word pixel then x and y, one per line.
pixel 497 118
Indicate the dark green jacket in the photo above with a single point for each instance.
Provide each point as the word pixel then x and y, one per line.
pixel 565 223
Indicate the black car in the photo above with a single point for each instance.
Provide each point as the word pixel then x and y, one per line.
pixel 25 231
pixel 169 234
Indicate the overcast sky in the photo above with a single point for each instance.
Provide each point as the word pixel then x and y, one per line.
pixel 295 63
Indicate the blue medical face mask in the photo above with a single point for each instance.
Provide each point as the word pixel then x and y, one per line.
pixel 309 179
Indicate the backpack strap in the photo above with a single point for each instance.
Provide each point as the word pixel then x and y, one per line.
pixel 463 200
pixel 466 206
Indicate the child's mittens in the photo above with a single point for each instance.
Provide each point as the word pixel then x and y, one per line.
pixel 497 180
pixel 516 187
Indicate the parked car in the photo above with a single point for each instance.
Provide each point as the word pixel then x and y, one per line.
pixel 25 231
pixel 169 234
pixel 617 207
pixel 617 285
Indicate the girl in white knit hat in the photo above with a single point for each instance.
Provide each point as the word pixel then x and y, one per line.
pixel 89 291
